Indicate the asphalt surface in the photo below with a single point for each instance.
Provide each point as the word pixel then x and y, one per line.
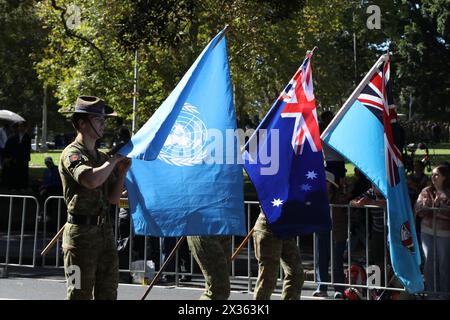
pixel 49 284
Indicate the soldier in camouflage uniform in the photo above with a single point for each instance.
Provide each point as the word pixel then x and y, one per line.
pixel 91 182
pixel 269 250
pixel 213 254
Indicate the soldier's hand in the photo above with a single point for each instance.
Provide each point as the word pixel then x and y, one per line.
pixel 123 165
pixel 116 158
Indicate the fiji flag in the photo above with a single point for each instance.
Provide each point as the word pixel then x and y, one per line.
pixel 190 186
pixel 284 160
pixel 362 133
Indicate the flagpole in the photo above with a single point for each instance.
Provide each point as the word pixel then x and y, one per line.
pixel 311 51
pixel 242 244
pixel 350 99
pixel 158 275
pixel 224 31
pixel 135 92
pixel 53 241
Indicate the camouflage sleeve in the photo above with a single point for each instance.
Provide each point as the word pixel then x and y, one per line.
pixel 75 163
pixel 113 176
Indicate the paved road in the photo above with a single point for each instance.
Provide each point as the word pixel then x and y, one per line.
pixel 53 289
pixel 49 284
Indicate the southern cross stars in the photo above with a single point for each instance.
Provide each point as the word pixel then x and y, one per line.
pixel 277 202
pixel 305 187
pixel 311 175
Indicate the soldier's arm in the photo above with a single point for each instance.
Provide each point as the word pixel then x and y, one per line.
pixel 94 178
pixel 116 189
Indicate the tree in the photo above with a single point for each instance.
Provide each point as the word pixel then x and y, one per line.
pixel 424 57
pixel 73 66
pixel 20 40
pixel 267 41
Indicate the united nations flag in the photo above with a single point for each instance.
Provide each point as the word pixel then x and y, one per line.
pixel 189 186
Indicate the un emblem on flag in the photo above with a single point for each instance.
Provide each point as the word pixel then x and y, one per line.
pixel 185 145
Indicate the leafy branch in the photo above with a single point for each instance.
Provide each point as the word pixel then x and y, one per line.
pixel 72 34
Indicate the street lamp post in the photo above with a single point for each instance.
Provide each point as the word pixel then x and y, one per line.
pixel 135 91
pixel 44 124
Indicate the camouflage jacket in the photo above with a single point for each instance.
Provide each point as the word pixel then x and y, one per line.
pixel 75 160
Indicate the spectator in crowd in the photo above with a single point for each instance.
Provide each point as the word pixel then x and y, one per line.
pixel 184 263
pixel 377 223
pixel 121 132
pixel 399 135
pixel 334 162
pixel 9 160
pixel 59 141
pixel 417 181
pixel 436 130
pixel 141 246
pixel 3 139
pixel 17 154
pixel 359 185
pixel 323 250
pixel 51 186
pixel 23 155
pixel 435 231
pixel 121 136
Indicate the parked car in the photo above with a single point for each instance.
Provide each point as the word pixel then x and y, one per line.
pixel 50 145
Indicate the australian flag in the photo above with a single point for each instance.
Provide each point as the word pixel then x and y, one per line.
pixel 284 160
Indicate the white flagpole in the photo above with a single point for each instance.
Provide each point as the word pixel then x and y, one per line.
pixel 350 99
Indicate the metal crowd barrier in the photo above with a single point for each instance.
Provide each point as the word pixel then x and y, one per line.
pixel 60 221
pixel 17 240
pixel 251 265
pixel 436 292
pixel 351 260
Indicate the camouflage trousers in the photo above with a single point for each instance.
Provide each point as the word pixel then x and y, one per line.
pixel 269 251
pixel 91 263
pixel 213 254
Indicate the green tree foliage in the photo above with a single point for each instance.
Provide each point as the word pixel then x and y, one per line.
pixel 267 41
pixel 424 56
pixel 21 40
pixel 168 36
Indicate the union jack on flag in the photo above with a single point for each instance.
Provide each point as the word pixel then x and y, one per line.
pixel 301 105
pixel 377 97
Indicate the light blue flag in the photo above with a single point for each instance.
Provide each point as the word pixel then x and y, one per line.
pixel 362 133
pixel 194 185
